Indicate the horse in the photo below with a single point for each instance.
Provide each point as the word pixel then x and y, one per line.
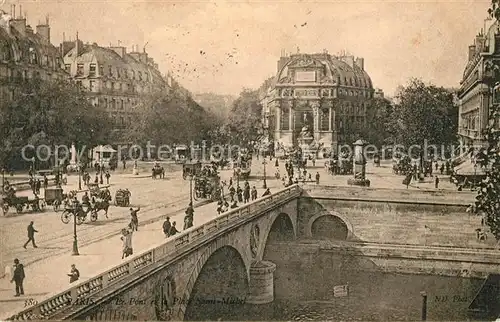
pixel 101 205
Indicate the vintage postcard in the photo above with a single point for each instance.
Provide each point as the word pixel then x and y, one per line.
pixel 249 160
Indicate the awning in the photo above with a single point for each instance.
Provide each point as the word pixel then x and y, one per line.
pixel 467 169
pixel 104 149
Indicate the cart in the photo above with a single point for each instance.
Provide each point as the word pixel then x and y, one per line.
pixel 94 189
pixel 22 203
pixel 54 197
pixel 191 169
pixel 122 198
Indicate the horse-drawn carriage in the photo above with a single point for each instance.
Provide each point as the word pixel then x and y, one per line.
pixel 191 169
pixel 207 187
pixel 158 171
pixel 21 203
pixel 242 167
pixel 122 198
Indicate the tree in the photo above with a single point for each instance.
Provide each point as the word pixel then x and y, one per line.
pixel 379 127
pixel 172 118
pixel 487 199
pixel 424 113
pixel 245 118
pixel 51 113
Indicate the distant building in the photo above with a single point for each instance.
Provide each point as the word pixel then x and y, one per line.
pixel 114 79
pixel 475 96
pixel 25 54
pixel 317 101
pixel 379 93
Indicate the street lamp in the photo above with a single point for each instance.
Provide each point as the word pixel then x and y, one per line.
pixel 475 171
pixel 79 177
pixel 264 185
pixel 75 240
pixel 3 179
pixel 100 179
pixel 191 177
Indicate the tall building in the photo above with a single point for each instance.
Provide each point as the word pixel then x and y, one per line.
pixel 114 78
pixel 25 54
pixel 317 101
pixel 475 95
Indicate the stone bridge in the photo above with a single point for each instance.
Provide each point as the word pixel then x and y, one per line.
pixel 223 261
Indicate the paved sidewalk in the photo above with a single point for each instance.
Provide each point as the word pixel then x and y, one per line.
pixel 49 275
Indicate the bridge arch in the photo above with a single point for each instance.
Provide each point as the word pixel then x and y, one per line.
pixel 281 228
pixel 220 268
pixel 334 220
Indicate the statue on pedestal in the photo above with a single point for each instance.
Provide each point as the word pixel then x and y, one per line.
pixel 305 136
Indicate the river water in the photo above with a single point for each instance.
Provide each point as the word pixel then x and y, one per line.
pixel 373 296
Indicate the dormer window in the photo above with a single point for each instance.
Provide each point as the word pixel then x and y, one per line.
pixel 101 70
pixel 79 69
pixel 92 70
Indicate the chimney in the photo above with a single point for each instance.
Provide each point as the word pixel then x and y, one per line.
pixel 121 51
pixel 472 51
pixel 480 41
pixel 77 45
pixel 360 62
pixel 44 32
pixel 20 25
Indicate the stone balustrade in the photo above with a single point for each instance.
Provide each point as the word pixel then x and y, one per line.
pixel 83 291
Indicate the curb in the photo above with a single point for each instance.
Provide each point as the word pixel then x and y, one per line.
pixel 113 234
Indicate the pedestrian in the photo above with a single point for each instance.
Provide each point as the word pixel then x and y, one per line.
pixel 436 182
pixel 108 175
pixel 317 177
pixel 96 180
pixel 18 277
pixel 74 274
pixel 314 161
pixel 38 186
pixel 246 193
pixel 239 193
pixel 276 164
pixel 232 191
pixel 188 219
pixel 172 230
pixel 437 166
pixel 266 193
pixel 166 226
pixel 31 235
pixel 254 193
pixel 231 181
pixel 127 243
pixel 134 220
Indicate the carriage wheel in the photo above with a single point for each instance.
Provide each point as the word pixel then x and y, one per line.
pixel 93 216
pixel 56 206
pixel 65 217
pixel 80 219
pixel 42 204
pixel 5 209
pixel 19 208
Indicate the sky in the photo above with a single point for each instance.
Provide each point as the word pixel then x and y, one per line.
pixel 225 46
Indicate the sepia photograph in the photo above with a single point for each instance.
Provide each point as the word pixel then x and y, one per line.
pixel 250 160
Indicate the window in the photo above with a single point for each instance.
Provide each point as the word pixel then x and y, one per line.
pixel 67 68
pixel 101 70
pixel 285 119
pixel 113 103
pixel 79 84
pixel 110 71
pixel 140 75
pixel 325 120
pixel 112 85
pixel 79 70
pixel 133 74
pixel 118 72
pixel 92 70
pixel 92 86
pixel 125 73
pixel 106 103
pixel 121 106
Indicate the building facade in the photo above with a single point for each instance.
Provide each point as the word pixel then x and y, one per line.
pixel 113 78
pixel 25 54
pixel 317 102
pixel 476 92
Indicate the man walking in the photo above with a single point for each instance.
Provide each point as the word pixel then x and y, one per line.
pixel 166 226
pixel 317 177
pixel 31 235
pixel 436 182
pixel 254 193
pixel 18 277
pixel 134 220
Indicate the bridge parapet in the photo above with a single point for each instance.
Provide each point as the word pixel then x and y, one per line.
pixel 82 292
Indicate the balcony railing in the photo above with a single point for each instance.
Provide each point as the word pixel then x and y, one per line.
pixel 63 300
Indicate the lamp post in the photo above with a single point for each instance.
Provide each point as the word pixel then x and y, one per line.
pixel 75 240
pixel 3 179
pixel 475 170
pixel 100 168
pixel 191 187
pixel 264 185
pixel 424 305
pixel 79 177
